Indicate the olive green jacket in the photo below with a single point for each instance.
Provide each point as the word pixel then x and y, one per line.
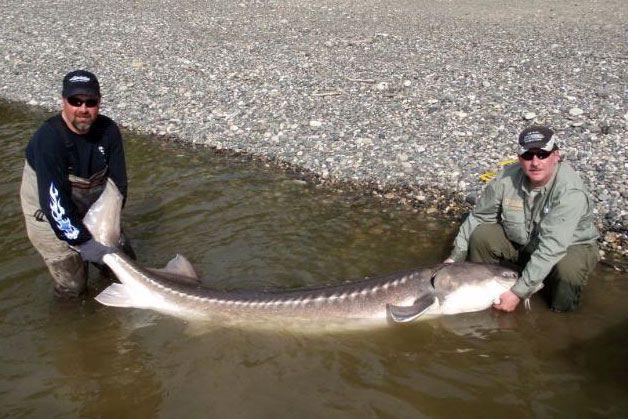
pixel 562 217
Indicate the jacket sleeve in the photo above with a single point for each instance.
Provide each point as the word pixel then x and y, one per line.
pixel 556 232
pixel 54 190
pixel 486 211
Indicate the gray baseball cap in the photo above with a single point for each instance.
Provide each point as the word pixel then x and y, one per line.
pixel 537 136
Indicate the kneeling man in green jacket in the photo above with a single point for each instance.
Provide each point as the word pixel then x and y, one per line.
pixel 538 215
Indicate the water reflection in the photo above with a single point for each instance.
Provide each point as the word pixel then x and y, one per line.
pixel 96 367
pixel 244 225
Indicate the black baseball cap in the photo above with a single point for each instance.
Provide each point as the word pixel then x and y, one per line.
pixel 80 82
pixel 537 136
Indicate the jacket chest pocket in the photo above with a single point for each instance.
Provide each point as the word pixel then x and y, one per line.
pixel 513 221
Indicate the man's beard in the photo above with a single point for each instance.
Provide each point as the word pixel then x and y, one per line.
pixel 83 126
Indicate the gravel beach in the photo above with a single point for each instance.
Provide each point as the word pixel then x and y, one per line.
pixel 409 100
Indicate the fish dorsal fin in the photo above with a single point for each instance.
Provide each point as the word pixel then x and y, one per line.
pixel 179 269
pixel 179 265
pixel 402 314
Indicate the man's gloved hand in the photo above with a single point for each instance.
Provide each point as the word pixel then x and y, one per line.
pixel 92 251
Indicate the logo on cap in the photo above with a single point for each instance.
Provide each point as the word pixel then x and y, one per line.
pixel 533 136
pixel 82 79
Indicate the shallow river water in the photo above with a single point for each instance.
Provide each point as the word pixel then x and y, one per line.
pixel 247 226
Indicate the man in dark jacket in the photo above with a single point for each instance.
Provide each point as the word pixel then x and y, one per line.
pixel 68 162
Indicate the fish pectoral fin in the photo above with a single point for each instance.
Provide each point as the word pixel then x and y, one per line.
pixel 402 314
pixel 116 295
pixel 179 269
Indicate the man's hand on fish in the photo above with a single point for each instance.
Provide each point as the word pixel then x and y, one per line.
pixel 93 251
pixel 508 301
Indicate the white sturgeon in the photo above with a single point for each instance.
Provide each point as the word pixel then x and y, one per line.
pixel 399 297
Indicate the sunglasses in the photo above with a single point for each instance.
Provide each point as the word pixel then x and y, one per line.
pixel 541 155
pixel 77 103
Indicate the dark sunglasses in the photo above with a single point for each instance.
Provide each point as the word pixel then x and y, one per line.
pixel 541 155
pixel 77 103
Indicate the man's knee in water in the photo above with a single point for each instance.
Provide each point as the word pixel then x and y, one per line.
pixel 69 275
pixel 564 288
pixel 564 297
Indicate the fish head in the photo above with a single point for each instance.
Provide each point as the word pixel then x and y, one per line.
pixel 468 287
